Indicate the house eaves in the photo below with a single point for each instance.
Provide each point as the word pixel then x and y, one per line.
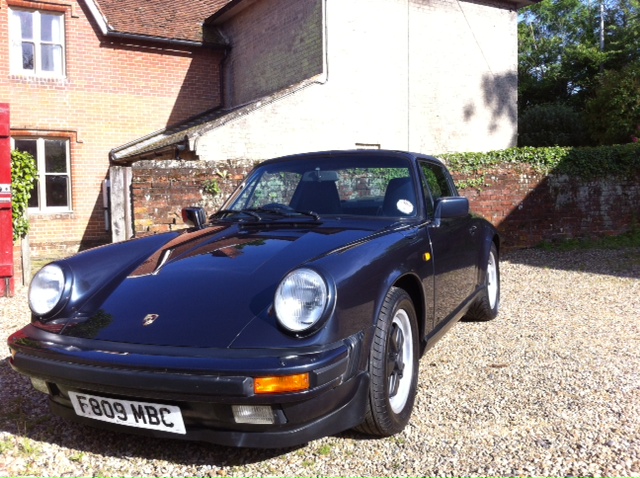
pixel 233 7
pixel 505 4
pixel 175 22
pixel 166 143
pixel 228 11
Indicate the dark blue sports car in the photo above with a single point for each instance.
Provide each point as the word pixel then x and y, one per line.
pixel 299 310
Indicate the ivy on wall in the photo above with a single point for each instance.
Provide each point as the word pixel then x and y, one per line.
pixel 585 163
pixel 23 174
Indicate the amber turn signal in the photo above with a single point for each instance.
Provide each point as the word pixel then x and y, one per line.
pixel 283 384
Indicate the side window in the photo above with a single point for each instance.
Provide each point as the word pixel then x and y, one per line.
pixel 436 183
pixel 37 43
pixel 52 188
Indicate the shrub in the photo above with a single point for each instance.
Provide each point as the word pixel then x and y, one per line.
pixel 613 114
pixel 551 125
pixel 23 174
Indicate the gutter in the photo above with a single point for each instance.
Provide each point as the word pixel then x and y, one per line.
pixel 175 147
pixel 147 38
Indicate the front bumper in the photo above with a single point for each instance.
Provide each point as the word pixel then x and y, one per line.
pixel 204 383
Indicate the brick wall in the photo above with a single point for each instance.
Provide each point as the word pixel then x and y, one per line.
pixel 527 207
pixel 274 44
pixel 160 189
pixel 112 93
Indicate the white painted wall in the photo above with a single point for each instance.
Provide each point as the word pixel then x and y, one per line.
pixel 424 75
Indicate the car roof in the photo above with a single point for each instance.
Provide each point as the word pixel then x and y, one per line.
pixel 354 153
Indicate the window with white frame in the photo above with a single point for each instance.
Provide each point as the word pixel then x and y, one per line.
pixel 52 189
pixel 37 43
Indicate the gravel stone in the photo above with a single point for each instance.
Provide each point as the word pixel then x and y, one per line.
pixel 549 388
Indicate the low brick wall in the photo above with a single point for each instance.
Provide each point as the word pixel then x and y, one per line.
pixel 527 207
pixel 160 189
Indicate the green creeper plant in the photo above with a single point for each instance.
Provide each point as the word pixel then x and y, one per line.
pixel 23 175
pixel 587 163
pixel 211 187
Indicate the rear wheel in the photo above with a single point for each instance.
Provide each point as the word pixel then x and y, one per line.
pixel 393 367
pixel 487 305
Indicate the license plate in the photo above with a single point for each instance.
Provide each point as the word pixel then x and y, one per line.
pixel 153 416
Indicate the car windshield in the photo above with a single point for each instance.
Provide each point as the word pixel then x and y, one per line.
pixel 329 185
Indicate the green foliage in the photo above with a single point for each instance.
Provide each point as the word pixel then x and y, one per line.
pixel 23 176
pixel 211 187
pixel 561 61
pixel 587 163
pixel 613 113
pixel 551 124
pixel 559 51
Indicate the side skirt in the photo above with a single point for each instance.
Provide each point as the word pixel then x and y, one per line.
pixel 443 327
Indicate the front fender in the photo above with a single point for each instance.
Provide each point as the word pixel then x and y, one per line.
pixel 97 271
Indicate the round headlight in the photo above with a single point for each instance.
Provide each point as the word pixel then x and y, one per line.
pixel 301 299
pixel 46 290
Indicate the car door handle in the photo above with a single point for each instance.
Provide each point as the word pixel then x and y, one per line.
pixel 473 230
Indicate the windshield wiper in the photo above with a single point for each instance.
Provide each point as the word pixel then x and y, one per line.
pixel 312 214
pixel 286 211
pixel 254 213
pixel 227 212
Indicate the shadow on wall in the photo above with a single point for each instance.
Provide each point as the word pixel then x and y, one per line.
pixel 192 89
pixel 96 233
pixel 499 96
pixel 201 88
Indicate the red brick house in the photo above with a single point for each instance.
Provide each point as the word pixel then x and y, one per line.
pixel 84 76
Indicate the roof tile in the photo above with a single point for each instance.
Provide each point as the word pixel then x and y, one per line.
pixel 171 19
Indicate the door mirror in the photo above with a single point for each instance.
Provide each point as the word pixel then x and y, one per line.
pixel 194 217
pixel 451 207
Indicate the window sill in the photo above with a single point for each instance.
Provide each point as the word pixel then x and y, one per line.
pixel 51 215
pixel 43 79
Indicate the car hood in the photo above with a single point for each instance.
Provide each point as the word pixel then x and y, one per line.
pixel 201 289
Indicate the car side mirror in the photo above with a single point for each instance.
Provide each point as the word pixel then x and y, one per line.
pixel 194 217
pixel 450 207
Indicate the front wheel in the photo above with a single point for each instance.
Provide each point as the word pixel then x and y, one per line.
pixel 487 305
pixel 393 367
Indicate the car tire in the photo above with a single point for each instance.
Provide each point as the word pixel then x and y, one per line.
pixel 487 305
pixel 393 367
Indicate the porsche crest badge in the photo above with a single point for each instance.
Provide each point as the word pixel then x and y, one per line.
pixel 149 319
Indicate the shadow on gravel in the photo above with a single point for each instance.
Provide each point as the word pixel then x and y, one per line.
pixel 613 262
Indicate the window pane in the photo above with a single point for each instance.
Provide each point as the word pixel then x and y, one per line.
pixel 57 187
pixel 34 200
pixel 26 24
pixel 30 146
pixel 27 145
pixel 51 30
pixel 27 56
pixel 436 180
pixel 55 156
pixel 51 58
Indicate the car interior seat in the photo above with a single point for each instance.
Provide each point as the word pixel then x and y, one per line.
pixel 399 198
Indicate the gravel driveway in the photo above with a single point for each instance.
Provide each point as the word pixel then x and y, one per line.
pixel 549 388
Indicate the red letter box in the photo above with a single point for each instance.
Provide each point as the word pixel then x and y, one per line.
pixel 6 221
